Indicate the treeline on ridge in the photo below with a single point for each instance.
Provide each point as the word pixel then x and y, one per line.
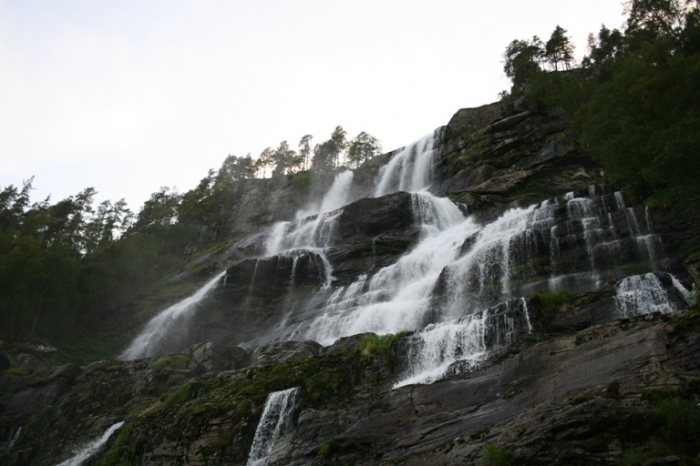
pixel 634 100
pixel 72 271
pixel 69 267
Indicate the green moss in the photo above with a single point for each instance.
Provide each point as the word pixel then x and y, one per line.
pixel 612 391
pixel 17 371
pixel 633 456
pixel 371 344
pixel 579 399
pixel 694 257
pixel 497 456
pixel 325 450
pixel 681 425
pixel 549 303
pixel 655 397
pixel 170 361
pixel 182 393
pixel 324 388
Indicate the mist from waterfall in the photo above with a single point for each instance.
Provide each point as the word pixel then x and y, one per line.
pixel 410 169
pixel 167 324
pixel 91 448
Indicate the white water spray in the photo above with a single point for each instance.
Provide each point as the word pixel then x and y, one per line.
pixel 398 296
pixel 275 421
pixel 169 321
pixel 410 169
pixel 91 448
pixel 465 343
pixel 643 294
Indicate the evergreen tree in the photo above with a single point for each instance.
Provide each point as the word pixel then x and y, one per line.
pixel 305 150
pixel 362 148
pixel 327 154
pixel 559 49
pixel 521 61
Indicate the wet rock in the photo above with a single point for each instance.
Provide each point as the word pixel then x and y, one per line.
pixel 284 351
pixel 209 356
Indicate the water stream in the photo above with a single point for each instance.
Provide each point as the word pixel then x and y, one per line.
pixel 91 448
pixel 167 324
pixel 274 422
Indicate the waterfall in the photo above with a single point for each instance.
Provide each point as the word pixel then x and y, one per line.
pixel 463 344
pixel 338 195
pixel 91 448
pixel 274 422
pixel 643 294
pixel 314 228
pixel 14 436
pixel 438 346
pixel 314 232
pixel 410 169
pixel 166 324
pixel 445 285
pixel 398 296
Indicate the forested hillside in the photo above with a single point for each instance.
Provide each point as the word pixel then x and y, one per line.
pixel 518 286
pixel 73 271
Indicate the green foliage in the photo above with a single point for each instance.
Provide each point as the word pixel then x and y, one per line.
pixel 372 344
pixel 327 154
pixel 634 101
pixel 521 62
pixel 633 456
pixel 612 390
pixel 579 399
pixel 558 93
pixel 323 388
pixel 694 257
pixel 643 126
pixel 325 450
pixel 559 49
pixel 182 393
pixel 497 456
pixel 362 148
pixel 680 425
pixel 301 183
pixel 549 303
pixel 170 361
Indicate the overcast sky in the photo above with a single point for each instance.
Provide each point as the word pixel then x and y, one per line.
pixel 131 95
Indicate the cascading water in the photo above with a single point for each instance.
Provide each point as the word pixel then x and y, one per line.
pixel 314 228
pixel 339 193
pixel 464 343
pixel 398 296
pixel 274 422
pixel 459 268
pixel 410 169
pixel 166 324
pixel 462 286
pixel 337 196
pixel 643 294
pixel 91 448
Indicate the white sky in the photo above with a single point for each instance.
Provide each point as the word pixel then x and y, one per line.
pixel 131 95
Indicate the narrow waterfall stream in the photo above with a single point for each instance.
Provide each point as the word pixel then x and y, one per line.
pixel 91 448
pixel 274 422
pixel 166 324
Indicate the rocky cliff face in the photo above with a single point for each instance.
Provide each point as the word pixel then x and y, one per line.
pixel 528 313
